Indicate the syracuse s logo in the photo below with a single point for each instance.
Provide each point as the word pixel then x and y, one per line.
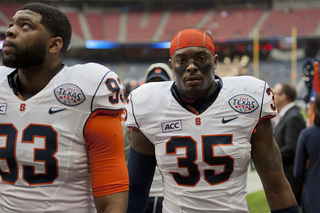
pixel 3 109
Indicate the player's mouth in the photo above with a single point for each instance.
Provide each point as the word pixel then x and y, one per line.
pixel 193 80
pixel 7 46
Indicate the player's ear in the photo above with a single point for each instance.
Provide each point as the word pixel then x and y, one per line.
pixel 55 44
pixel 215 59
pixel 170 64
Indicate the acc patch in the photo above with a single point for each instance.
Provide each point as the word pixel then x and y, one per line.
pixel 243 103
pixel 171 126
pixel 69 94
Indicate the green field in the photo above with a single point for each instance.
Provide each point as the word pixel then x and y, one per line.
pixel 257 202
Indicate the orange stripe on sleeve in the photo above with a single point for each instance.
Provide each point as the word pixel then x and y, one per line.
pixel 104 137
pixel 261 119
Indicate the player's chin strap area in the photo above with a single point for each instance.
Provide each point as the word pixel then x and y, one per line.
pixel 196 106
pixel 13 82
pixel 290 209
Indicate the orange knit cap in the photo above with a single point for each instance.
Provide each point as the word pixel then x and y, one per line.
pixel 191 37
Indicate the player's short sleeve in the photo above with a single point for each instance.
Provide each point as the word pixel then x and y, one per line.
pixel 110 93
pixel 103 87
pixel 130 120
pixel 268 105
pixel 143 103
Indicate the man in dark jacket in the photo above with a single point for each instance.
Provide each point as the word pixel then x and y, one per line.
pixel 287 131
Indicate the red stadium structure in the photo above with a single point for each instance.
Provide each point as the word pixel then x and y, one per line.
pixel 135 25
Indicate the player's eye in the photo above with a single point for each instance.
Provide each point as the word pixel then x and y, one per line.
pixel 181 60
pixel 25 26
pixel 202 58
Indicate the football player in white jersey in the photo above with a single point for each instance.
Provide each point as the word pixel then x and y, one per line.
pixel 61 141
pixel 201 131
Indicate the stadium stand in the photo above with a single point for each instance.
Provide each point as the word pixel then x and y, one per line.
pixel 7 12
pixel 104 25
pixel 128 26
pixel 232 24
pixel 111 25
pixel 75 22
pixel 95 22
pixel 138 25
pixel 141 25
pixel 180 19
pixel 280 22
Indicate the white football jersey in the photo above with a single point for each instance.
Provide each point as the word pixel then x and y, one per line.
pixel 43 153
pixel 203 158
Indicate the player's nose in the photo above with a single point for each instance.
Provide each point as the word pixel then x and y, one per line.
pixel 10 32
pixel 192 67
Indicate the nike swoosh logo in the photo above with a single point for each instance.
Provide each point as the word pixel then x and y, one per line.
pixel 51 111
pixel 228 120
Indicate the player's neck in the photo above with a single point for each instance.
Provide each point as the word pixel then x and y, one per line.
pixel 31 81
pixel 196 106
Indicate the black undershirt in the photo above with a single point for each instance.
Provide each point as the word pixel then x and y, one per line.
pixel 13 82
pixel 201 104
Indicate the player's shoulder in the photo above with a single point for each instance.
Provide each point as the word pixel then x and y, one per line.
pixel 90 65
pixel 244 84
pixel 151 92
pixel 89 70
pixel 243 80
pixel 87 75
pixel 152 87
pixel 4 71
pixel 149 101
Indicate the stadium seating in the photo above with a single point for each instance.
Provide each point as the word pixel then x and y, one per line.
pixel 180 19
pixel 75 22
pixel 95 22
pixel 230 24
pixel 104 25
pixel 141 25
pixel 280 22
pixel 131 26
pixel 8 11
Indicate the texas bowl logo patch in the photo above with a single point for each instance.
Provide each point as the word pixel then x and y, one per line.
pixel 243 103
pixel 69 94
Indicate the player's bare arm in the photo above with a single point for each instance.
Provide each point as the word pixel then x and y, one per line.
pixel 267 160
pixel 140 143
pixel 112 203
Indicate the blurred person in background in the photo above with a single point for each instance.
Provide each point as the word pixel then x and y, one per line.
pixel 157 72
pixel 287 131
pixel 61 139
pixel 201 131
pixel 307 162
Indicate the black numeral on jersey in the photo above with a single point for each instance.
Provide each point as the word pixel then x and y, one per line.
pixel 273 105
pixel 113 86
pixel 44 155
pixel 190 146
